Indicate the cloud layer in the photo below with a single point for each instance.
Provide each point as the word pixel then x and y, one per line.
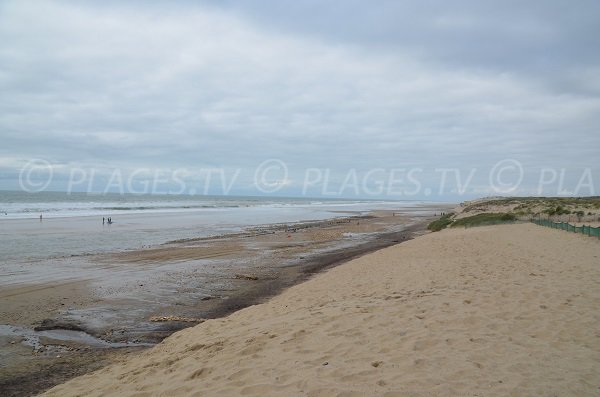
pixel 342 85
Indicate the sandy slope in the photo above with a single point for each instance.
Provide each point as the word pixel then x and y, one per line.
pixel 504 310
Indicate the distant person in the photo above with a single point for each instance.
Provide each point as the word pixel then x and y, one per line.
pixel 40 217
pixel 103 220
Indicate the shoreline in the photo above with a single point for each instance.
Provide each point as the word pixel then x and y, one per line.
pixel 494 310
pixel 246 293
pixel 314 265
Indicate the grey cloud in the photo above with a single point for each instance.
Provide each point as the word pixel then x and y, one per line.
pixel 336 84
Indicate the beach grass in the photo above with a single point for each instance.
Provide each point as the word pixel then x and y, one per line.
pixel 441 223
pixel 529 206
pixel 484 219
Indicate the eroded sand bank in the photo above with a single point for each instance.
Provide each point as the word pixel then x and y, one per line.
pixel 503 310
pixel 118 296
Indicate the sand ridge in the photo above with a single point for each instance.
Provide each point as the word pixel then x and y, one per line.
pixel 494 311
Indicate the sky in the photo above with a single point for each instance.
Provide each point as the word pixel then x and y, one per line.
pixel 387 99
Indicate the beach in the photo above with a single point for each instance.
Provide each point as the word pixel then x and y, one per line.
pixel 246 198
pixel 65 315
pixel 494 311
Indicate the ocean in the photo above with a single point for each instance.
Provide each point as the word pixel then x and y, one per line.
pixel 72 224
pixel 23 205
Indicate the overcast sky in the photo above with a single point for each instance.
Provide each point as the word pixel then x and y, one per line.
pixel 337 85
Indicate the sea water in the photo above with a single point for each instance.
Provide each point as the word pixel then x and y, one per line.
pixel 77 223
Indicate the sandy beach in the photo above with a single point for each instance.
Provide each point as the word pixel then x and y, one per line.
pixel 65 316
pixel 241 198
pixel 494 311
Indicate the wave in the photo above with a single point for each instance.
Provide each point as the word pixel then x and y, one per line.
pixel 20 205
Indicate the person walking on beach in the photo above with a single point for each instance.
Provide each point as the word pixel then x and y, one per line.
pixel 103 220
pixel 40 217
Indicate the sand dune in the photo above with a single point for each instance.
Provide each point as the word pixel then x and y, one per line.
pixel 503 310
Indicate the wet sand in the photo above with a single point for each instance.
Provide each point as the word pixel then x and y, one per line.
pixel 120 295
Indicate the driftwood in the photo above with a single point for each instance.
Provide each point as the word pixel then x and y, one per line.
pixel 247 276
pixel 176 318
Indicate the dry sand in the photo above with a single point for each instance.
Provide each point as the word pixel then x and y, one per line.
pixel 499 310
